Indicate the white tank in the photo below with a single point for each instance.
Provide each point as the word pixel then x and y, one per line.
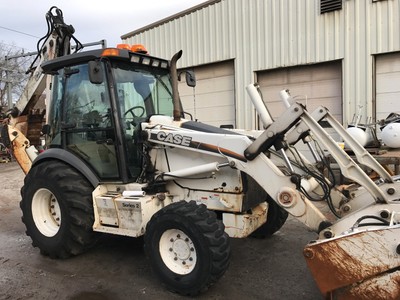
pixel 359 135
pixel 391 135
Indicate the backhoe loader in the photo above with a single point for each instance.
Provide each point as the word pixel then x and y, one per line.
pixel 122 159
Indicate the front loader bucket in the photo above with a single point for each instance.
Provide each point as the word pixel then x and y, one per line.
pixel 361 265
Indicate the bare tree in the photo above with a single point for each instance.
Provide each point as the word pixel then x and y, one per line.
pixel 12 71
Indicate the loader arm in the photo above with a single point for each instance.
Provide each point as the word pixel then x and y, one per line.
pixel 357 256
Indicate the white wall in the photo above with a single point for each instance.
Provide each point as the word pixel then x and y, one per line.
pixel 267 34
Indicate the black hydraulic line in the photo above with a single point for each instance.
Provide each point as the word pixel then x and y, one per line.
pixel 357 223
pixel 55 23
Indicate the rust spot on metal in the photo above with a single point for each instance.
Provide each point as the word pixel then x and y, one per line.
pixel 327 263
pixel 19 144
pixel 348 260
pixel 385 287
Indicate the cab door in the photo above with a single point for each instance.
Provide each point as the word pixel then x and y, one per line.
pixel 87 124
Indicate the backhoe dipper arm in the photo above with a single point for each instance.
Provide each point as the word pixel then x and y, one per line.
pixel 56 43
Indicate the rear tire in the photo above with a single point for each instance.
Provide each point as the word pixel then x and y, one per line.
pixel 276 217
pixel 57 209
pixel 187 246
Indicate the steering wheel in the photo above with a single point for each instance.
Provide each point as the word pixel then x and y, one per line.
pixel 142 111
pixel 136 119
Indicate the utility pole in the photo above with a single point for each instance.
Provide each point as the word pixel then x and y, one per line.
pixel 8 86
pixel 9 97
pixel 8 83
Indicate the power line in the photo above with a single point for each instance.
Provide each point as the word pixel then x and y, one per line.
pixel 20 32
pixel 13 45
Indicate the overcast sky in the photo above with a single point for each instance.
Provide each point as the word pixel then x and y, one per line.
pixel 22 22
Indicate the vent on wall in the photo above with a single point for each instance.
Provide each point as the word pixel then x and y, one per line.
pixel 330 5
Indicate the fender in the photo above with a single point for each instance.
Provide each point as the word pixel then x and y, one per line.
pixel 69 158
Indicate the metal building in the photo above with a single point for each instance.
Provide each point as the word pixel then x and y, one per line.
pixel 343 54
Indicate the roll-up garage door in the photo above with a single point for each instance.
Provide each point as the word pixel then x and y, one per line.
pixel 311 85
pixel 212 101
pixel 387 68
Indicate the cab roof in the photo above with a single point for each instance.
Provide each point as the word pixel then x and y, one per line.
pixel 52 66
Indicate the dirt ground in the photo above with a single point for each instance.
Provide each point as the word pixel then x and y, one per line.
pixel 117 269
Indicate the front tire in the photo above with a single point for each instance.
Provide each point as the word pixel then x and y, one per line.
pixel 187 246
pixel 57 209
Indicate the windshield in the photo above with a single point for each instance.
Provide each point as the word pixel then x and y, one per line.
pixel 142 93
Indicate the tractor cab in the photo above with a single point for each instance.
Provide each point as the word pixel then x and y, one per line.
pixel 98 99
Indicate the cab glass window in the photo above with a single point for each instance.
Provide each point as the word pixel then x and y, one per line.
pixel 87 121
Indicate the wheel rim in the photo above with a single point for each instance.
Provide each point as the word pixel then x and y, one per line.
pixel 46 212
pixel 177 251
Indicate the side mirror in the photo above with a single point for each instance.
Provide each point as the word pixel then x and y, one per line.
pixel 190 78
pixel 95 72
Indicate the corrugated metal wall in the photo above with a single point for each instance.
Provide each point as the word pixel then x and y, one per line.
pixel 268 34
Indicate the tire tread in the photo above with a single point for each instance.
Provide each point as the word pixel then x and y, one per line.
pixel 213 231
pixel 76 191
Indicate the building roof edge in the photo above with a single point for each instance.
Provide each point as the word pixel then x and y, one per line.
pixel 170 18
